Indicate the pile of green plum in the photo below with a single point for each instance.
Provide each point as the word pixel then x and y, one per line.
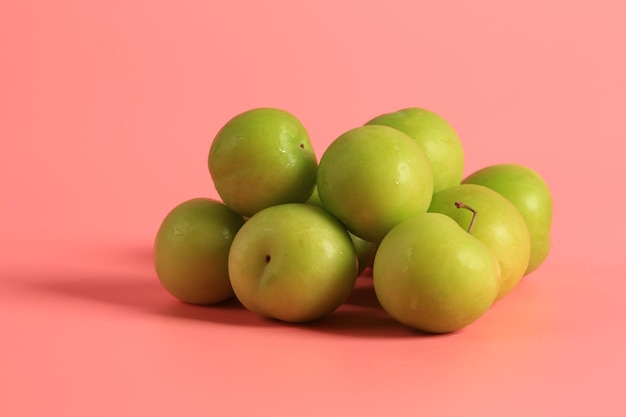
pixel 292 233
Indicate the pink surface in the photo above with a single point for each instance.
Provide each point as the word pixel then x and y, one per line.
pixel 107 112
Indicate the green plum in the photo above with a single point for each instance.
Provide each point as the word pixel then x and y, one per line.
pixel 430 274
pixel 191 250
pixel 292 262
pixel 498 224
pixel 261 158
pixel 314 199
pixel 529 192
pixel 372 178
pixel 436 137
pixel 365 250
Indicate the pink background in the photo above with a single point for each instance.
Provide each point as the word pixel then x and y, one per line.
pixel 107 112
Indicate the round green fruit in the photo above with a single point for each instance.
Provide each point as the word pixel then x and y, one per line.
pixel 498 224
pixel 191 251
pixel 261 158
pixel 432 275
pixel 530 194
pixel 436 137
pixel 365 250
pixel 373 177
pixel 292 262
pixel 314 199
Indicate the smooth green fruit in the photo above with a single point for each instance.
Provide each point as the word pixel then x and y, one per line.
pixel 315 199
pixel 436 137
pixel 261 158
pixel 191 250
pixel 530 194
pixel 498 224
pixel 292 262
pixel 365 250
pixel 372 178
pixel 432 275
